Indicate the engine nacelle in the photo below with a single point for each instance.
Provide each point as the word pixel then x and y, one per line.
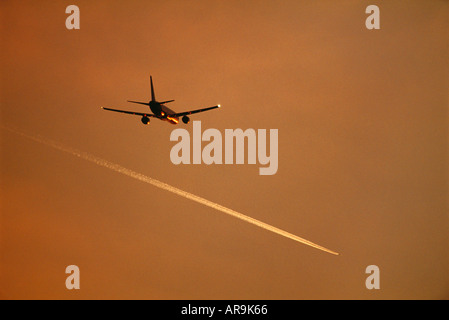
pixel 145 120
pixel 186 119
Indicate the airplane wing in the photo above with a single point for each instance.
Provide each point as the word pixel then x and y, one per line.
pixel 194 111
pixel 131 112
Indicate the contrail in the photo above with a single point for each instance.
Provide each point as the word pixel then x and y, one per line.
pixel 167 187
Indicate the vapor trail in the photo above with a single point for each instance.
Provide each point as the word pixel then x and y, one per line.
pixel 167 187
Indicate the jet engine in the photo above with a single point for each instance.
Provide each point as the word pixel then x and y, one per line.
pixel 145 120
pixel 186 119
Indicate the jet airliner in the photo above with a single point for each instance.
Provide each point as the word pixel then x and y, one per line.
pixel 160 111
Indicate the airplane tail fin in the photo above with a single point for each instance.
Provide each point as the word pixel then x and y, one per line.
pixel 153 97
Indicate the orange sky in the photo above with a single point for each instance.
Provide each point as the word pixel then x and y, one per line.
pixel 362 120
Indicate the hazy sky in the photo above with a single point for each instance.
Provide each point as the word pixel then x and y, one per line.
pixel 363 149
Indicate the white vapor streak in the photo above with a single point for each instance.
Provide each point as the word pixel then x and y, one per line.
pixel 167 187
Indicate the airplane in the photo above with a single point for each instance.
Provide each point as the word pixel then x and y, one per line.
pixel 160 111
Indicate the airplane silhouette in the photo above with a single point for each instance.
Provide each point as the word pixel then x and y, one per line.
pixel 160 111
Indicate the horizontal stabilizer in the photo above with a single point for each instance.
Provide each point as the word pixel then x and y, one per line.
pixel 166 101
pixel 144 103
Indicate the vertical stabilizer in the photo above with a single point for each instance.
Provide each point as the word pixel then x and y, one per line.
pixel 153 98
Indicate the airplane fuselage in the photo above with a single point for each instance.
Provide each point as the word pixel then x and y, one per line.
pixel 163 112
